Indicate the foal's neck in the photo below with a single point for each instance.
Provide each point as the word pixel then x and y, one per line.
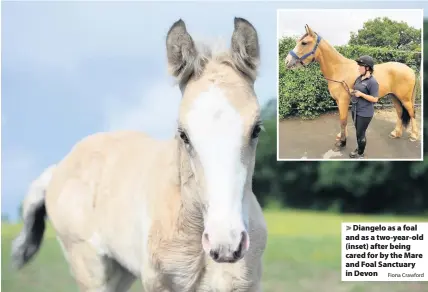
pixel 329 59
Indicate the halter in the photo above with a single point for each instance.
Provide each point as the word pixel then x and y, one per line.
pixel 300 59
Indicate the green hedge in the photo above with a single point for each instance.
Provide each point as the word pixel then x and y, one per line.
pixel 304 92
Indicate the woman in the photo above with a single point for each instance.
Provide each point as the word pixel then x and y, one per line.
pixel 364 96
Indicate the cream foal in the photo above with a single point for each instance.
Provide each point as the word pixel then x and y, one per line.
pixel 179 214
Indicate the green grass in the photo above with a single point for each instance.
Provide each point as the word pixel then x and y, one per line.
pixel 303 254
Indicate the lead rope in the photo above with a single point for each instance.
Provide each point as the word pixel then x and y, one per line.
pixel 354 110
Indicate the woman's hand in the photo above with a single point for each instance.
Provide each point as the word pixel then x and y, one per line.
pixel 358 93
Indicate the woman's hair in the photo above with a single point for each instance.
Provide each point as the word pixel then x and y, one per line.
pixel 370 69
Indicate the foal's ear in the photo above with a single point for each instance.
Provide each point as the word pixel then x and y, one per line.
pixel 245 48
pixel 309 30
pixel 181 52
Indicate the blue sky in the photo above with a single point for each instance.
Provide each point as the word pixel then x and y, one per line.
pixel 70 69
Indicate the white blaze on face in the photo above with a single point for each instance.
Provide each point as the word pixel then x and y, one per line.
pixel 289 58
pixel 215 131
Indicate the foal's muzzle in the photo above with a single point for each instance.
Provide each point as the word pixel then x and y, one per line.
pixel 228 250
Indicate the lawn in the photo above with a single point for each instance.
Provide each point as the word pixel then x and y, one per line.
pixel 303 254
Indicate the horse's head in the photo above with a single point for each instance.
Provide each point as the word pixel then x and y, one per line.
pixel 305 51
pixel 218 128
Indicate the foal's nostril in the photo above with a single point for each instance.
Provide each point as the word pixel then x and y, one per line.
pixel 238 253
pixel 214 254
pixel 228 250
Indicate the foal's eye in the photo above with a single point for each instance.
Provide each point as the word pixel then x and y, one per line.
pixel 184 137
pixel 304 43
pixel 256 131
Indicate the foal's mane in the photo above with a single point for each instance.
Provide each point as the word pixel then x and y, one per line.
pixel 217 51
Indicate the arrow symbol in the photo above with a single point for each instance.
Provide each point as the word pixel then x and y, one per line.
pixel 348 228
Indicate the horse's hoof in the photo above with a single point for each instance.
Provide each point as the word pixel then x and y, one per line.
pixel 339 145
pixel 413 139
pixel 393 136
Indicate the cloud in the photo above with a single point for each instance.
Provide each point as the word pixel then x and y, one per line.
pixel 153 110
pixel 3 120
pixel 17 164
pixel 63 35
pixel 342 22
pixel 289 32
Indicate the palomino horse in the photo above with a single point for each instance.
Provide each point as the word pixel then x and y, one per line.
pixel 395 79
pixel 179 214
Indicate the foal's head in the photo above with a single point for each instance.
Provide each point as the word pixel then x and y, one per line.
pixel 304 52
pixel 218 128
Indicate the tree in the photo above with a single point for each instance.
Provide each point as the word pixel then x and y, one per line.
pixel 20 211
pixel 384 32
pixel 4 218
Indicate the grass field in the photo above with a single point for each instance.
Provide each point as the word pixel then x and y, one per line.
pixel 303 254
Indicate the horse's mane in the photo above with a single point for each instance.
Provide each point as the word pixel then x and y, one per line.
pixel 306 34
pixel 303 36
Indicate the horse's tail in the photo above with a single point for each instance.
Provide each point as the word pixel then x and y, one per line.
pixel 28 242
pixel 405 116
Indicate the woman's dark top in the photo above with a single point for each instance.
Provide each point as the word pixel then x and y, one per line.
pixel 368 86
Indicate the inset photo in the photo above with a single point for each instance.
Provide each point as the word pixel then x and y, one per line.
pixel 350 84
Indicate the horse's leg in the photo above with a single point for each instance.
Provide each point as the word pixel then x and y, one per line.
pixel 415 131
pixel 339 134
pixel 343 104
pixel 346 127
pixel 94 272
pixel 408 104
pixel 398 131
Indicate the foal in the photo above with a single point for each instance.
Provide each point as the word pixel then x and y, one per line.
pixel 179 214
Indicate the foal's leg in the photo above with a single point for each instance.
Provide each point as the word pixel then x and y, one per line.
pixel 95 272
pixel 152 280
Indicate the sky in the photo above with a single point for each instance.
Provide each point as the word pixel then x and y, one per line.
pixel 338 32
pixel 70 69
